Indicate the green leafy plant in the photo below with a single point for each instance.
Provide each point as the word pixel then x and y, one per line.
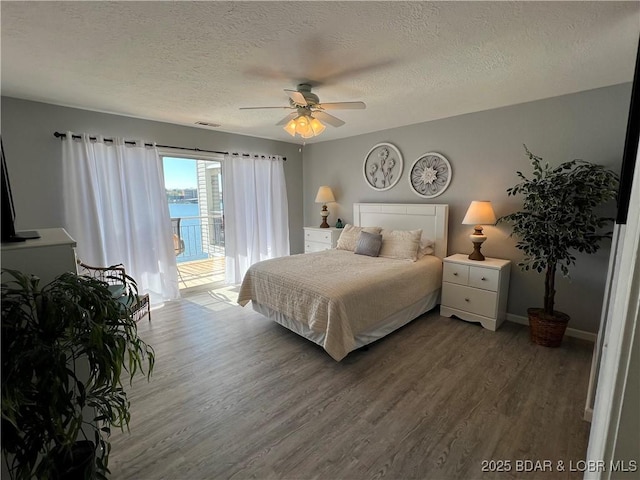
pixel 560 217
pixel 65 347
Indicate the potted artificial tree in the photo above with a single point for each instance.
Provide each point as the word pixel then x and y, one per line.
pixel 64 349
pixel 559 218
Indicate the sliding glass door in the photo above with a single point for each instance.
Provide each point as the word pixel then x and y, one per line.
pixel 194 195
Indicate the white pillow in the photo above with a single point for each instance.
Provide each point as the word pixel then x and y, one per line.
pixel 401 244
pixel 349 236
pixel 426 247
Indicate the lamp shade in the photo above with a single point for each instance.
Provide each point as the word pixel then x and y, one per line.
pixel 480 212
pixel 325 195
pixel 317 126
pixel 291 127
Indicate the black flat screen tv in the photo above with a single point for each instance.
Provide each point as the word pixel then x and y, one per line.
pixel 630 147
pixel 8 210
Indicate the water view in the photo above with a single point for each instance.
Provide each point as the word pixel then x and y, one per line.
pixel 190 231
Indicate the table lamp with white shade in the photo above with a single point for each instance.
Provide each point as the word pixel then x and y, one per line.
pixel 480 213
pixel 324 196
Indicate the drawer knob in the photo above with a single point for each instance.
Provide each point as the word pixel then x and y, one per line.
pixel 483 279
pixel 455 274
pixel 466 299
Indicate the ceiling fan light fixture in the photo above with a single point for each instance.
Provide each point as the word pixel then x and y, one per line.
pixel 304 125
pixel 290 127
pixel 307 105
pixel 317 126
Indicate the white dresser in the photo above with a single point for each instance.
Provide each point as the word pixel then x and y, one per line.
pixel 46 257
pixel 475 291
pixel 317 239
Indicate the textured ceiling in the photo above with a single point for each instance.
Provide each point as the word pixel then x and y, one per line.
pixel 410 62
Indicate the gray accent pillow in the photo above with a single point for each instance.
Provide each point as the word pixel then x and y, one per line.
pixel 368 244
pixel 349 236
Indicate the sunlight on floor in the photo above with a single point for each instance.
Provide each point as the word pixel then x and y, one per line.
pixel 216 297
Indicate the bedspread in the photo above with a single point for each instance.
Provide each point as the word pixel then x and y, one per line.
pixel 338 292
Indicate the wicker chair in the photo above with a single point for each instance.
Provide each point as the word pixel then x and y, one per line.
pixel 178 242
pixel 117 279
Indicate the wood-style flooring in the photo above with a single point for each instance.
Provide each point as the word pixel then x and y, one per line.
pixel 235 396
pixel 198 273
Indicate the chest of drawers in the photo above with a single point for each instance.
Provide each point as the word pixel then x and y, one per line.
pixel 475 291
pixel 317 239
pixel 46 257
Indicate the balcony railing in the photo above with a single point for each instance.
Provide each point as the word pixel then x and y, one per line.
pixel 202 237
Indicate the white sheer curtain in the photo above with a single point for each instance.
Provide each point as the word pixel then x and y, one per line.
pixel 116 209
pixel 256 216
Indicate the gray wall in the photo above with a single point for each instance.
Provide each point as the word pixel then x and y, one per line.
pixel 485 151
pixel 33 155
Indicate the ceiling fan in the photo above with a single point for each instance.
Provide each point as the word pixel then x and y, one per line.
pixel 309 113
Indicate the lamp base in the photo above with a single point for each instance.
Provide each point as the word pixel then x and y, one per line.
pixel 477 242
pixel 476 254
pixel 325 213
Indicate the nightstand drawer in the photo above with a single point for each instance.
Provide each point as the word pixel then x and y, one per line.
pixel 317 239
pixel 318 236
pixel 316 247
pixel 455 273
pixel 480 302
pixel 485 278
pixel 475 291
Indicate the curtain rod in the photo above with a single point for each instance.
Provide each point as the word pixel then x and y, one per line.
pixel 127 142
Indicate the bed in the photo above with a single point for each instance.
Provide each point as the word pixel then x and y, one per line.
pixel 343 301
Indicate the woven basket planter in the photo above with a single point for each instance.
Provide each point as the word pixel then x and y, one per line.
pixel 547 330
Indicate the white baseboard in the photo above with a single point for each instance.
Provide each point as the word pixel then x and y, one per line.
pixel 571 332
pixel 588 415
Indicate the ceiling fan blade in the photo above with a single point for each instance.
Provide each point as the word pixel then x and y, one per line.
pixel 259 108
pixel 286 119
pixel 328 70
pixel 342 106
pixel 297 97
pixel 330 119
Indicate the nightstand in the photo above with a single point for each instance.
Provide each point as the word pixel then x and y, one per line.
pixel 475 291
pixel 317 239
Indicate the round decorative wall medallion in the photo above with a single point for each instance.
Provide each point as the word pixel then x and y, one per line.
pixel 430 175
pixel 382 167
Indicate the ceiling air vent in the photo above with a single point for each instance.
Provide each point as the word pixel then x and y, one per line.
pixel 207 124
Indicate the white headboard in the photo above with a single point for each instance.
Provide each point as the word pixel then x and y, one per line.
pixel 433 219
